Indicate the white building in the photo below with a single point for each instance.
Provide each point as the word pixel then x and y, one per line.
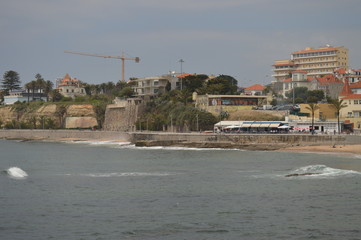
pixel 24 96
pixel 70 87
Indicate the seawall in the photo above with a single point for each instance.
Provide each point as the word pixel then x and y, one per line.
pixel 64 135
pixel 242 141
pixel 201 140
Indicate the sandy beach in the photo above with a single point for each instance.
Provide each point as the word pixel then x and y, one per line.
pixel 337 149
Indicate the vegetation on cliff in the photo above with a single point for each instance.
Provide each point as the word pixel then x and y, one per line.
pixel 171 111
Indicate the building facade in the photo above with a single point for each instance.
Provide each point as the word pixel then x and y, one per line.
pixel 70 87
pixel 316 62
pixel 24 96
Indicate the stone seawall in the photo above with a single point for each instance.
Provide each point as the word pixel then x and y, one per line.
pixel 64 134
pixel 242 141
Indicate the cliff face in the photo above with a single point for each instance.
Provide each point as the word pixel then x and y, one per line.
pixel 71 116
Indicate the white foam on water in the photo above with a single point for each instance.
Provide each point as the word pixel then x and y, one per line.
pixel 111 143
pixel 126 174
pixel 181 148
pixel 17 173
pixel 322 171
pixel 132 146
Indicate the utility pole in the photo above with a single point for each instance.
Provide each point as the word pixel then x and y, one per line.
pixel 181 78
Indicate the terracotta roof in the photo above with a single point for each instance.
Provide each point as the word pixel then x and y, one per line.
pixel 340 71
pixel 184 75
pixel 288 80
pixel 316 50
pixel 329 78
pixel 346 90
pixel 352 96
pixel 256 87
pixel 355 85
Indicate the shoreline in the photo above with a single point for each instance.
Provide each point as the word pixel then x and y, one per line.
pixel 341 149
pixel 295 143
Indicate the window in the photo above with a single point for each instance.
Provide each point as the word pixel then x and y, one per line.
pixel 349 114
pixel 355 101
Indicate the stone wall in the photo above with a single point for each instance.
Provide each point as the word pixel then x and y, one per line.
pixel 122 118
pixel 64 134
pixel 243 141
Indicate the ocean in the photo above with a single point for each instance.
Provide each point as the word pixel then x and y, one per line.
pixel 109 190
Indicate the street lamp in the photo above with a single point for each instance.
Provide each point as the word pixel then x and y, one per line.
pixel 181 61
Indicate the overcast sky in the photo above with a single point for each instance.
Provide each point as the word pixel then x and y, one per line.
pixel 241 38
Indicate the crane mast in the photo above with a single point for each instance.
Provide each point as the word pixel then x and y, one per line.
pixel 123 58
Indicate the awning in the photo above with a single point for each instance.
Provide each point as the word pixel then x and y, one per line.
pixel 229 127
pixel 264 125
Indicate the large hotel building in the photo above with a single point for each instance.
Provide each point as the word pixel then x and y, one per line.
pixel 315 62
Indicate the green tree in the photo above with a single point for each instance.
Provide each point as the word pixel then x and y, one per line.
pixel 61 112
pixel 223 84
pixel 312 107
pixel 315 96
pixel 126 92
pixel 338 105
pixel 48 87
pixel 297 93
pixel 11 81
pixel 99 109
pixel 194 82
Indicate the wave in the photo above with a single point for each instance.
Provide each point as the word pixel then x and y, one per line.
pixel 321 171
pixel 108 142
pixel 129 145
pixel 126 174
pixel 15 172
pixel 183 148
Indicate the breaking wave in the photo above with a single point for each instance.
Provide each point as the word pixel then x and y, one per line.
pixel 129 145
pixel 15 172
pixel 321 171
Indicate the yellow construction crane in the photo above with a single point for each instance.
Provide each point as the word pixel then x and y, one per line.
pixel 136 59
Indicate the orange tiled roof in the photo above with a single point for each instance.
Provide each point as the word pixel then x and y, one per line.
pixel 346 90
pixel 256 87
pixel 316 50
pixel 352 96
pixel 184 75
pixel 340 71
pixel 355 85
pixel 288 80
pixel 329 78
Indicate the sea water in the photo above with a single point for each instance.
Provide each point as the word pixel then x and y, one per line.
pixel 106 190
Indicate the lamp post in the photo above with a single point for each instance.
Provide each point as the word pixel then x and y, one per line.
pixel 181 61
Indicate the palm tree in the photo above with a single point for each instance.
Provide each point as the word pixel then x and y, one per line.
pixel 338 104
pixel 313 107
pixel 28 87
pixel 48 86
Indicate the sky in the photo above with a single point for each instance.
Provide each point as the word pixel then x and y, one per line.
pixel 240 38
